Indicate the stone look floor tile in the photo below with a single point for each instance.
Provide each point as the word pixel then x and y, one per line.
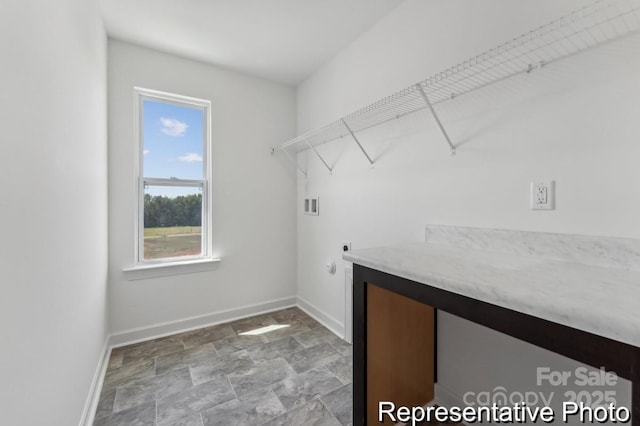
pixel 260 377
pixel 252 323
pixel 341 346
pixel 252 409
pixel 310 322
pixel 342 368
pixel 177 406
pixel 295 314
pixel 132 395
pixel 314 337
pixel 142 415
pixel 236 362
pixel 207 335
pixel 185 358
pixel 338 402
pixel 313 413
pixel 214 376
pixel 151 349
pixel 151 388
pixel 129 372
pixel 289 314
pixel 313 357
pixel 294 328
pixel 236 343
pixel 105 404
pixel 304 387
pixel 194 420
pixel 275 349
pixel 115 361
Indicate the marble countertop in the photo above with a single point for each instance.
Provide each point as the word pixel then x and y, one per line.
pixel 600 299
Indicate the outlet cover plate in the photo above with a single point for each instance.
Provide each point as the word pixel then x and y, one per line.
pixel 543 195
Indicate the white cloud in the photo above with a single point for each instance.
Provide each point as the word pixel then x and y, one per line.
pixel 145 152
pixel 173 127
pixel 190 157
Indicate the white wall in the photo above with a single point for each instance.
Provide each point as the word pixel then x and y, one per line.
pixel 253 192
pixel 574 122
pixel 53 208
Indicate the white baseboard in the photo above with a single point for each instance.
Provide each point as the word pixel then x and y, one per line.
pixel 91 404
pixel 322 317
pixel 135 335
pixel 180 326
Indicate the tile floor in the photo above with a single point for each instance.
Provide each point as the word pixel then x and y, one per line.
pixel 296 375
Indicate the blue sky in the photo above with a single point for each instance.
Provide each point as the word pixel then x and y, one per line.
pixel 173 143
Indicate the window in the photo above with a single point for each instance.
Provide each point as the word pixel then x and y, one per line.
pixel 173 191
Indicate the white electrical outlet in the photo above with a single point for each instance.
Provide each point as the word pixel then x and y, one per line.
pixel 543 195
pixel 345 246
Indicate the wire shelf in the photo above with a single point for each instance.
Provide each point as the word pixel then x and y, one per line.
pixel 600 22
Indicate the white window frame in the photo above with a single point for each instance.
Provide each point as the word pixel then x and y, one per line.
pixel 140 95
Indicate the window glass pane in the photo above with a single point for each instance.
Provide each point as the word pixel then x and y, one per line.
pixel 172 221
pixel 172 140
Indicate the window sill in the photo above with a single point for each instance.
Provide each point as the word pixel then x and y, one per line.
pixel 154 270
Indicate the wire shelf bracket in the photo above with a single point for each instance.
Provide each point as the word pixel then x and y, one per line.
pixel 435 117
pixel 293 160
pixel 353 135
pixel 596 24
pixel 319 156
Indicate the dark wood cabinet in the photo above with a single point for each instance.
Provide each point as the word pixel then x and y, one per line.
pixel 400 350
pixel 394 343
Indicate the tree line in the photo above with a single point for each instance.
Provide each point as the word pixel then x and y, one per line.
pixel 161 211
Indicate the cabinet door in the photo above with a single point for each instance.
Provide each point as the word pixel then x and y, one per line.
pixel 400 351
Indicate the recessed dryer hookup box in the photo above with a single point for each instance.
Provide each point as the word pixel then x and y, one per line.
pixel 312 206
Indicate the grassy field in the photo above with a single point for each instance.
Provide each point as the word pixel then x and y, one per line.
pixel 172 241
pixel 172 230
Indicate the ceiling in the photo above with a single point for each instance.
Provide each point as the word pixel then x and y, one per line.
pixel 281 40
